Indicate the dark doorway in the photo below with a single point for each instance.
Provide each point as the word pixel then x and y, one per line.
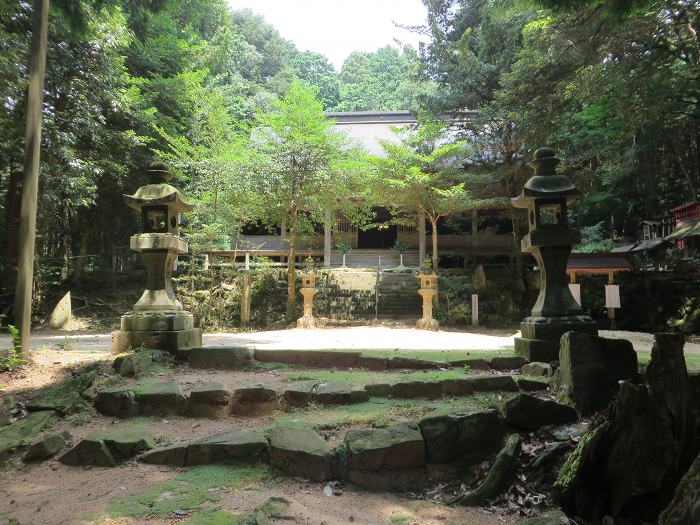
pixel 380 237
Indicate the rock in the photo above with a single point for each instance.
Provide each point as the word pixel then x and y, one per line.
pixel 568 432
pixel 209 400
pixel 451 437
pixel 21 433
pixel 300 394
pixel 359 395
pixel 64 395
pixel 507 363
pixel 235 445
pixel 494 383
pixel 369 362
pixel 254 400
pixel 536 369
pixel 685 506
pixel 300 452
pixel 89 452
pixel 46 447
pixel 457 387
pixel 160 399
pixel 410 363
pixel 220 358
pixel 273 508
pixel 551 517
pixel 175 455
pixel 378 389
pixel 125 365
pixel 62 315
pixel 479 278
pixel 119 401
pixel 416 389
pixel 108 448
pixel 591 367
pixel 531 385
pixel 396 447
pixel 333 393
pixel 530 413
pixel 499 477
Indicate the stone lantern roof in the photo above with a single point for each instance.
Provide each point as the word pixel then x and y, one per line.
pixel 159 192
pixel 546 182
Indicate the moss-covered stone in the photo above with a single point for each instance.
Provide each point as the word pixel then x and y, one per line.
pixel 64 395
pixel 399 446
pixel 46 447
pixel 531 413
pixel 20 434
pixel 300 452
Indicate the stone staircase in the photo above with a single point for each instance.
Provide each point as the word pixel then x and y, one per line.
pixel 398 296
pixel 371 259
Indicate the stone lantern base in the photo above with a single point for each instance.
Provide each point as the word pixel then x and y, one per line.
pixel 540 336
pixel 428 324
pixel 169 330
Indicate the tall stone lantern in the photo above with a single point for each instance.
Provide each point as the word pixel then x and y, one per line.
pixel 158 319
pixel 428 290
pixel 308 291
pixel 546 196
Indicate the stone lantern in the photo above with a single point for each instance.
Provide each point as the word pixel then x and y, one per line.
pixel 308 290
pixel 546 197
pixel 158 319
pixel 428 290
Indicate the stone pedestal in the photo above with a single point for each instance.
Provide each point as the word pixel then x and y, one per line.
pixel 307 320
pixel 427 322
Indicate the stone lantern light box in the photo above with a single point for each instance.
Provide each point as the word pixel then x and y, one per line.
pixel 546 196
pixel 158 319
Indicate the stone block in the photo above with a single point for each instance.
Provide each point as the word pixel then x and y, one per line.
pixel 46 447
pixel 473 364
pixel 254 400
pixel 507 363
pixel 89 452
pixel 450 437
pixel 494 383
pixel 378 389
pixel 119 401
pixel 235 445
pixel 397 447
pixel 531 413
pixel 531 385
pixel 175 455
pixel 209 400
pixel 300 393
pixel 220 358
pixel 328 359
pixel 591 367
pixel 300 452
pixel 416 389
pixel 160 399
pixel 369 362
pixel 540 336
pixel 171 341
pixel 411 363
pixel 62 396
pixel 333 393
pixel 359 395
pixel 457 387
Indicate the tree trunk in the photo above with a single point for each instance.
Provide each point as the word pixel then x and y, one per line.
pixel 291 268
pixel 84 243
pixel 12 214
pixel 30 187
pixel 434 238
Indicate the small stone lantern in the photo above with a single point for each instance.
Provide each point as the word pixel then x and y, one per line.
pixel 546 197
pixel 158 319
pixel 308 290
pixel 428 290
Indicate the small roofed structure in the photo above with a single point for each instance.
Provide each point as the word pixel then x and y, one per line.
pixel 687 220
pixel 601 263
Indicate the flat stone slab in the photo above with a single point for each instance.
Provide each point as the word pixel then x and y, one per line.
pixel 417 389
pixel 531 413
pixel 507 363
pixel 411 363
pixel 225 447
pixel 254 399
pixel 378 389
pixel 160 398
pixel 300 393
pixel 472 364
pixel 118 401
pixel 457 387
pixel 531 385
pixel 209 400
pixel 220 358
pixel 300 452
pixel 62 396
pixel 333 393
pixel 396 447
pixel 494 383
pixel 450 437
pixel 537 369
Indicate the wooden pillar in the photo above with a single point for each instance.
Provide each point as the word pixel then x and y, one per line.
pixel 30 186
pixel 611 311
pixel 421 238
pixel 245 299
pixel 475 236
pixel 327 230
pixel 247 261
pixel 475 310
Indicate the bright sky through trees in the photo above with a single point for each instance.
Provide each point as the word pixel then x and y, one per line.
pixel 336 28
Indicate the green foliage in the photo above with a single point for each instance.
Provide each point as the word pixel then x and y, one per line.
pixel 594 239
pixel 12 358
pixel 400 246
pixel 343 247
